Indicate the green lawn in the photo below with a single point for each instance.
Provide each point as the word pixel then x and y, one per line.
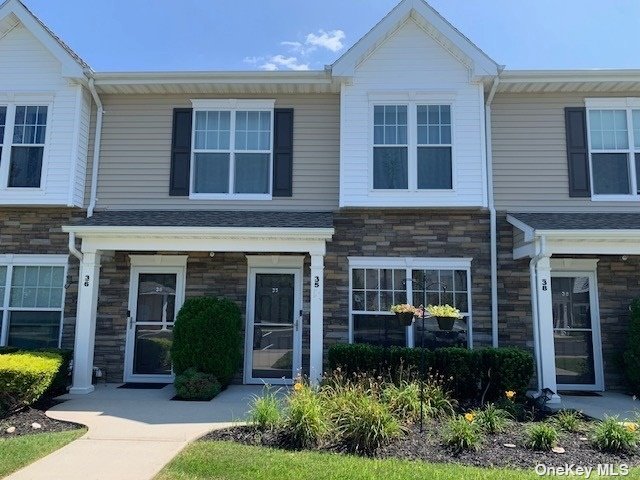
pixel 227 460
pixel 18 452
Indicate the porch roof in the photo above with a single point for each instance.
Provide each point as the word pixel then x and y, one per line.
pixel 207 218
pixel 577 233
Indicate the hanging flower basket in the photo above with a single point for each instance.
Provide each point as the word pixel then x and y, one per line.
pixel 446 315
pixel 404 313
pixel 405 318
pixel 446 323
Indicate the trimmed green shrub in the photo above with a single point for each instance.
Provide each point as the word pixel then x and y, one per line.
pixel 462 434
pixel 25 377
pixel 61 380
pixel 305 422
pixel 541 436
pixel 194 385
pixel 266 410
pixel 611 435
pixel 467 373
pixel 207 337
pixel 631 355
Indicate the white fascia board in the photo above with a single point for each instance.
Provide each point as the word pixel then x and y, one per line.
pixel 569 76
pixel 320 77
pixel 346 64
pixel 200 232
pixel 591 234
pixel 529 232
pixel 70 66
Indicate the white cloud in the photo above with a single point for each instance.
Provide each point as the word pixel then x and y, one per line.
pixel 331 40
pixel 300 52
pixel 276 61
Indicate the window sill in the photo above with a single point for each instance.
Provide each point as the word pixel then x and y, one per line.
pixel 615 198
pixel 232 196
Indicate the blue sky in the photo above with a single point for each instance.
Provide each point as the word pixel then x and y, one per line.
pixel 116 35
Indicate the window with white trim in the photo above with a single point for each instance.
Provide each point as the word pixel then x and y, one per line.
pixel 376 284
pixel 614 148
pixel 232 149
pixel 31 304
pixel 23 131
pixel 412 147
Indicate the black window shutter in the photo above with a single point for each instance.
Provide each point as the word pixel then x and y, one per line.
pixel 180 152
pixel 283 152
pixel 577 151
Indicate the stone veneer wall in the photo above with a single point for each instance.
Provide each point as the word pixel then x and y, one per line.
pixel 37 230
pixel 407 233
pixel 224 275
pixel 618 284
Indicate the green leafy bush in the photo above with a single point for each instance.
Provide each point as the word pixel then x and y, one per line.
pixel 207 337
pixel 610 435
pixel 467 373
pixel 462 434
pixel 541 436
pixel 194 385
pixel 631 355
pixel 305 422
pixel 25 377
pixel 492 419
pixel 569 421
pixel 266 410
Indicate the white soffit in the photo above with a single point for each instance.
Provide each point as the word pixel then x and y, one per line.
pixel 563 81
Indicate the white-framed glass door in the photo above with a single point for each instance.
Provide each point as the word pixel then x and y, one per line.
pixel 273 338
pixel 576 330
pixel 156 294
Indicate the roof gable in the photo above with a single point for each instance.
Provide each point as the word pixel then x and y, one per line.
pixel 13 12
pixel 479 63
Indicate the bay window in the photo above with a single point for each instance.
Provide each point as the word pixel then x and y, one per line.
pixel 232 149
pixel 378 283
pixel 31 301
pixel 412 147
pixel 614 148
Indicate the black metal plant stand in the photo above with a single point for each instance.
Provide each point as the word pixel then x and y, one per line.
pixel 425 286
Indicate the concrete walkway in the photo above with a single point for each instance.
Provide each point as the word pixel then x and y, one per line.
pixel 133 433
pixel 605 404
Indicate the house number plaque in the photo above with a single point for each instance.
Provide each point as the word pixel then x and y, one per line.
pixel 545 285
pixel 316 281
pixel 86 280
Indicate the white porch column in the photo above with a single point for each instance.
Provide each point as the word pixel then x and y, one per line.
pixel 86 322
pixel 316 330
pixel 547 356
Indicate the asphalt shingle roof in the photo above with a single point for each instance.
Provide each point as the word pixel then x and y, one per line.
pixel 580 221
pixel 208 218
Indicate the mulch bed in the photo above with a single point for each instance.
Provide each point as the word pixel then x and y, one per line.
pixel 23 419
pixel 427 446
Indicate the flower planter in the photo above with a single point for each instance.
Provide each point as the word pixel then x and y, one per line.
pixel 405 318
pixel 446 323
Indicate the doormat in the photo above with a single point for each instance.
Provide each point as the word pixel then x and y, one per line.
pixel 144 386
pixel 579 393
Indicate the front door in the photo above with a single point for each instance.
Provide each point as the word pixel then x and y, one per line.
pixel 274 333
pixel 154 300
pixel 576 331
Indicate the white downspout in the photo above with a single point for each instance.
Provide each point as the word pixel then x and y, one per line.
pixel 96 148
pixel 492 214
pixel 533 277
pixel 72 247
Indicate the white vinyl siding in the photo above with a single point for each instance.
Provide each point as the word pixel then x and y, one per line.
pixel 32 76
pixel 413 65
pixel 530 171
pixel 136 152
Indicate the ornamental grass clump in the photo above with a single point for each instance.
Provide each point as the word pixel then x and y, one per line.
pixel 437 400
pixel 492 419
pixel 462 432
pixel 305 422
pixel 403 400
pixel 569 421
pixel 541 436
pixel 611 435
pixel 266 410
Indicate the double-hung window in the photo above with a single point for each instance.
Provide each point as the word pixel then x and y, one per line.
pixel 23 130
pixel 412 147
pixel 31 301
pixel 614 148
pixel 232 149
pixel 378 283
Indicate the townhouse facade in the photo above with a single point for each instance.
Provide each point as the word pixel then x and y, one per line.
pixel 414 169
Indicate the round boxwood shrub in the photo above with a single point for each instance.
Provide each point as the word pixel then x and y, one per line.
pixel 207 337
